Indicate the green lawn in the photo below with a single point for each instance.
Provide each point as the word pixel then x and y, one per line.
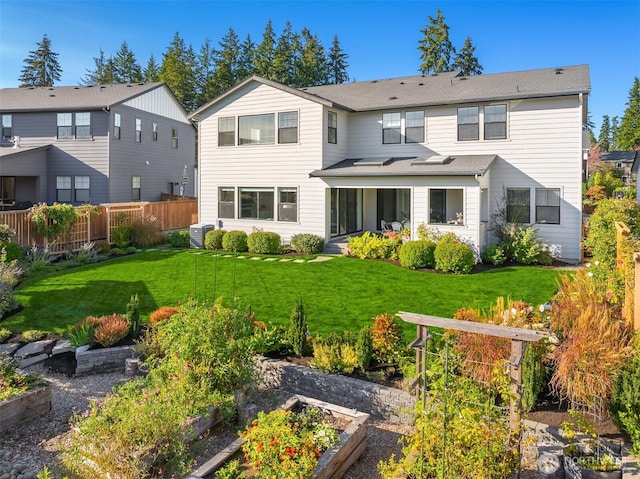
pixel 343 293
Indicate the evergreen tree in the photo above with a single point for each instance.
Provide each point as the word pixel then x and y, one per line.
pixel 103 73
pixel 337 63
pixel 465 61
pixel 41 67
pixel 604 139
pixel 225 74
pixel 178 71
pixel 247 58
pixel 629 132
pixel 126 68
pixel 151 72
pixel 436 50
pixel 265 53
pixel 615 127
pixel 204 77
pixel 311 65
pixel 284 56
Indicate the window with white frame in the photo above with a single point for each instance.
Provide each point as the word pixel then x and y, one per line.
pixel 63 189
pixel 65 125
pixel 138 130
pixel 518 205
pixel 391 128
pixel 7 128
pixel 83 125
pixel 82 186
pixel 495 122
pixel 227 131
pixel 288 127
pixel 135 188
pixel 332 127
pixel 548 206
pixel 256 203
pixel 287 204
pixel 226 202
pixel 446 206
pixel 256 129
pixel 414 127
pixel 174 138
pixel 116 126
pixel 154 131
pixel 468 123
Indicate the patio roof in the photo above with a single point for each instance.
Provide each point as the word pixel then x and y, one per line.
pixel 10 151
pixel 453 165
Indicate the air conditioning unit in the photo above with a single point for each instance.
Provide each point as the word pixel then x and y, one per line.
pixel 197 233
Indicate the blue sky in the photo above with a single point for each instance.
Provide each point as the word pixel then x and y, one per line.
pixel 380 37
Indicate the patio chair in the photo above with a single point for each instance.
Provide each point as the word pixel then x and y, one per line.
pixel 384 226
pixel 396 226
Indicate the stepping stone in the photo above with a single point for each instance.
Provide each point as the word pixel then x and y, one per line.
pixel 299 260
pixel 271 259
pixel 228 256
pixel 320 259
pixel 285 260
pixel 37 347
pixel 62 346
pixel 241 257
pixel 255 258
pixel 8 349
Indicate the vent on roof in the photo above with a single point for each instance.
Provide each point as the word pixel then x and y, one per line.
pixel 51 88
pixel 52 94
pixel 420 84
pixel 89 86
pixel 377 161
pixel 559 71
pixel 129 85
pixel 401 83
pixel 32 88
pixel 431 160
pixel 462 78
pixel 141 83
pixel 76 87
pixel 374 81
pixel 393 98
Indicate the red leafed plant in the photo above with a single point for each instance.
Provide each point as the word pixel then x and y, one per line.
pixel 112 329
pixel 386 334
pixel 162 313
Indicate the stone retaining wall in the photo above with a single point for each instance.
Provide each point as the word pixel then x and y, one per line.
pixel 102 360
pixel 379 401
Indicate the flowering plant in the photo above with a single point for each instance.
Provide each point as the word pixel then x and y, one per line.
pixel 287 444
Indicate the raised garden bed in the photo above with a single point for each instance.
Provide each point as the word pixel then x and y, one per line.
pixel 25 406
pixel 333 463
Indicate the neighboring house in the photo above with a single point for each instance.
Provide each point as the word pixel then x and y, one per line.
pixel 622 160
pixel 444 150
pixel 635 166
pixel 94 144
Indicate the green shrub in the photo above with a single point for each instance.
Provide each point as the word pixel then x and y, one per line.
pixel 6 233
pixel 371 246
pixel 386 335
pixel 299 330
pixel 120 234
pixel 494 254
pixel 264 242
pixel 533 374
pixel 417 254
pixel 81 333
pixel 145 234
pixel 625 401
pixel 32 335
pixel 102 246
pixel 112 328
pixel 335 353
pixel 528 249
pixel 4 334
pixel 453 257
pixel 364 348
pixel 12 250
pixel 179 239
pixel 307 243
pixel 213 239
pixel 235 241
pixel 133 315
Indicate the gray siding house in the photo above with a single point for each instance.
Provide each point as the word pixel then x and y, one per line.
pixel 94 144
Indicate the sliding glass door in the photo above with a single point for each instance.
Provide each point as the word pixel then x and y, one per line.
pixel 346 211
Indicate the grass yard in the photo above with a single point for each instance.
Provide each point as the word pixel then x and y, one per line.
pixel 342 293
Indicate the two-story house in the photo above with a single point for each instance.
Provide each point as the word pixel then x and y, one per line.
pixel 94 144
pixel 445 150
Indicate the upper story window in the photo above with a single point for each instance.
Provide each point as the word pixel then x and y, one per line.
pixel 256 129
pixel 518 205
pixel 116 126
pixel 495 122
pixel 227 131
pixel 174 138
pixel 82 189
pixel 548 205
pixel 83 125
pixel 65 126
pixel 7 129
pixel 154 131
pixel 288 127
pixel 414 127
pixel 468 125
pixel 332 127
pixel 391 128
pixel 138 130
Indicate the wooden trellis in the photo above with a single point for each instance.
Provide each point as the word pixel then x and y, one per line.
pixel 519 338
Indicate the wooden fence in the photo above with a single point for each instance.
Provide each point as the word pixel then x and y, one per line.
pixel 168 215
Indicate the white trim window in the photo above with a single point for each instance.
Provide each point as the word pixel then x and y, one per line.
pixel 256 129
pixel 391 125
pixel 518 205
pixel 7 129
pixel 548 206
pixel 135 188
pixel 227 131
pixel 154 131
pixel 65 126
pixel 116 126
pixel 288 127
pixel 288 204
pixel 414 127
pixel 138 130
pixel 83 125
pixel 468 123
pixel 226 202
pixel 256 203
pixel 495 122
pixel 174 138
pixel 332 127
pixel 446 206
pixel 63 189
pixel 82 187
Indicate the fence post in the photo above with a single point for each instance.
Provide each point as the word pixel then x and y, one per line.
pixel 515 369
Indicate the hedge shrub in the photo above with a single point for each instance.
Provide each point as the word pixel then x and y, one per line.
pixel 417 254
pixel 235 241
pixel 11 250
pixel 213 239
pixel 453 256
pixel 371 246
pixel 494 254
pixel 307 243
pixel 180 239
pixel 264 242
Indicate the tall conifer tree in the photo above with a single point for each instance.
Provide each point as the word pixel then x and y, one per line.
pixel 629 132
pixel 436 50
pixel 337 63
pixel 465 61
pixel 41 67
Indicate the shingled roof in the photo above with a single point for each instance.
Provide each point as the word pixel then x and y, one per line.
pixel 60 98
pixel 452 88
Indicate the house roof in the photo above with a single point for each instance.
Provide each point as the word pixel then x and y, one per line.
pixel 6 151
pixel 459 165
pixel 622 156
pixel 71 97
pixel 454 88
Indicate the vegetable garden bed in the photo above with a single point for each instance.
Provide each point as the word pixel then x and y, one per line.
pixel 25 406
